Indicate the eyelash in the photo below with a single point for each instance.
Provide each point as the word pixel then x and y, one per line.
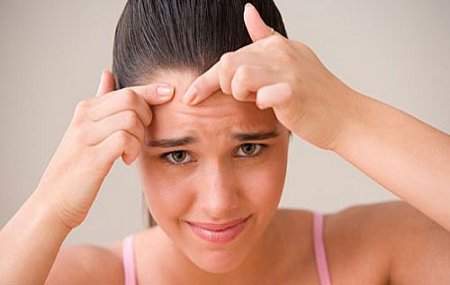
pixel 166 157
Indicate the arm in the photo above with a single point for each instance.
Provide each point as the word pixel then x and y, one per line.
pixel 29 243
pixel 404 155
pixel 105 128
pixel 420 251
pixel 30 251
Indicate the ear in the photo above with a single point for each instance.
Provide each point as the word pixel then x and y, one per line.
pixel 255 25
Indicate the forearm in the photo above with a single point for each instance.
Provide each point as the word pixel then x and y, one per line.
pixel 29 243
pixel 406 156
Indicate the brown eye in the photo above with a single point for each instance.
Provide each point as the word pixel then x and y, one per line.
pixel 249 149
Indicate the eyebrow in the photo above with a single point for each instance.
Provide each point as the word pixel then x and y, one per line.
pixel 256 136
pixel 177 142
pixel 171 142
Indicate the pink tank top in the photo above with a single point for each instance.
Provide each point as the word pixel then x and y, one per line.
pixel 128 261
pixel 319 249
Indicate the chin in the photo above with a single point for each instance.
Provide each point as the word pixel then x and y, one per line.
pixel 218 262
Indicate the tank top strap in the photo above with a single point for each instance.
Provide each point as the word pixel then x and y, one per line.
pixel 319 249
pixel 128 261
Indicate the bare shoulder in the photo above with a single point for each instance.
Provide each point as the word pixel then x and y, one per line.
pixel 390 222
pixel 87 264
pixel 387 242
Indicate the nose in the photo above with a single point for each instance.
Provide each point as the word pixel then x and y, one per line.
pixel 219 196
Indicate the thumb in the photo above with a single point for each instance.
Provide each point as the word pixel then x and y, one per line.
pixel 255 25
pixel 107 83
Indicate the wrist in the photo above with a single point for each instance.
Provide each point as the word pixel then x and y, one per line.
pixel 48 213
pixel 354 121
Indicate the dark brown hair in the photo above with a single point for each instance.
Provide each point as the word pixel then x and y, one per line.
pixel 158 35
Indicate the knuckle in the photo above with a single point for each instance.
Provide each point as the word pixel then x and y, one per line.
pixel 83 104
pixel 288 94
pixel 277 41
pixel 276 45
pixel 81 134
pixel 148 118
pixel 226 60
pixel 128 98
pixel 130 120
pixel 81 108
pixel 243 73
pixel 284 57
pixel 305 46
pixel 123 139
pixel 290 77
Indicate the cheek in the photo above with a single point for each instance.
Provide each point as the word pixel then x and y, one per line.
pixel 167 196
pixel 264 185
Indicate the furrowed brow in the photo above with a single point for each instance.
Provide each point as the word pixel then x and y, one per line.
pixel 171 142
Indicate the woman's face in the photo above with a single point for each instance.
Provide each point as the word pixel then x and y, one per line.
pixel 213 174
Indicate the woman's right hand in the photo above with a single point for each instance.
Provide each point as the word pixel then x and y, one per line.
pixel 103 128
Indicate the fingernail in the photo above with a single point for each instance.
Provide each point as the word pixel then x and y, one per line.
pixel 190 96
pixel 164 91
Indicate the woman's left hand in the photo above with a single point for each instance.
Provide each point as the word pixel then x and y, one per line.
pixel 283 75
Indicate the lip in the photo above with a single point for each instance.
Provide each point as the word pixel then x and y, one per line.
pixel 219 233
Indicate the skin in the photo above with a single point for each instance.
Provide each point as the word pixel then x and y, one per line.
pixel 217 182
pixel 390 243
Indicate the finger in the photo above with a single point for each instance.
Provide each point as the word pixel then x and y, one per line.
pixel 203 86
pixel 248 79
pixel 107 83
pixel 119 144
pixel 231 62
pixel 255 25
pixel 129 121
pixel 155 94
pixel 119 101
pixel 273 96
pixel 220 76
pixel 136 99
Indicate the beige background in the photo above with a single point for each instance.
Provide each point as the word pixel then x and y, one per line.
pixel 52 53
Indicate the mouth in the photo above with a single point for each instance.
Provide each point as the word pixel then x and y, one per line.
pixel 219 233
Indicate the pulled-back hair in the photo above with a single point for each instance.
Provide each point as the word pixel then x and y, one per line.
pixel 162 35
pixel 156 35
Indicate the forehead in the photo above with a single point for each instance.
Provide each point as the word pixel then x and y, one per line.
pixel 218 115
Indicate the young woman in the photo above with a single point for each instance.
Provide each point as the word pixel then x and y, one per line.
pixel 226 89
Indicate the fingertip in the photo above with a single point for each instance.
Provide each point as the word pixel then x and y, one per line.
pixel 165 91
pixel 191 95
pixel 107 83
pixel 263 99
pixel 128 160
pixel 255 24
pixel 125 159
pixel 100 84
pixel 247 6
pixel 261 105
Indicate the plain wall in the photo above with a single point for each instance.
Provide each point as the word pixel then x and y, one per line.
pixel 52 54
